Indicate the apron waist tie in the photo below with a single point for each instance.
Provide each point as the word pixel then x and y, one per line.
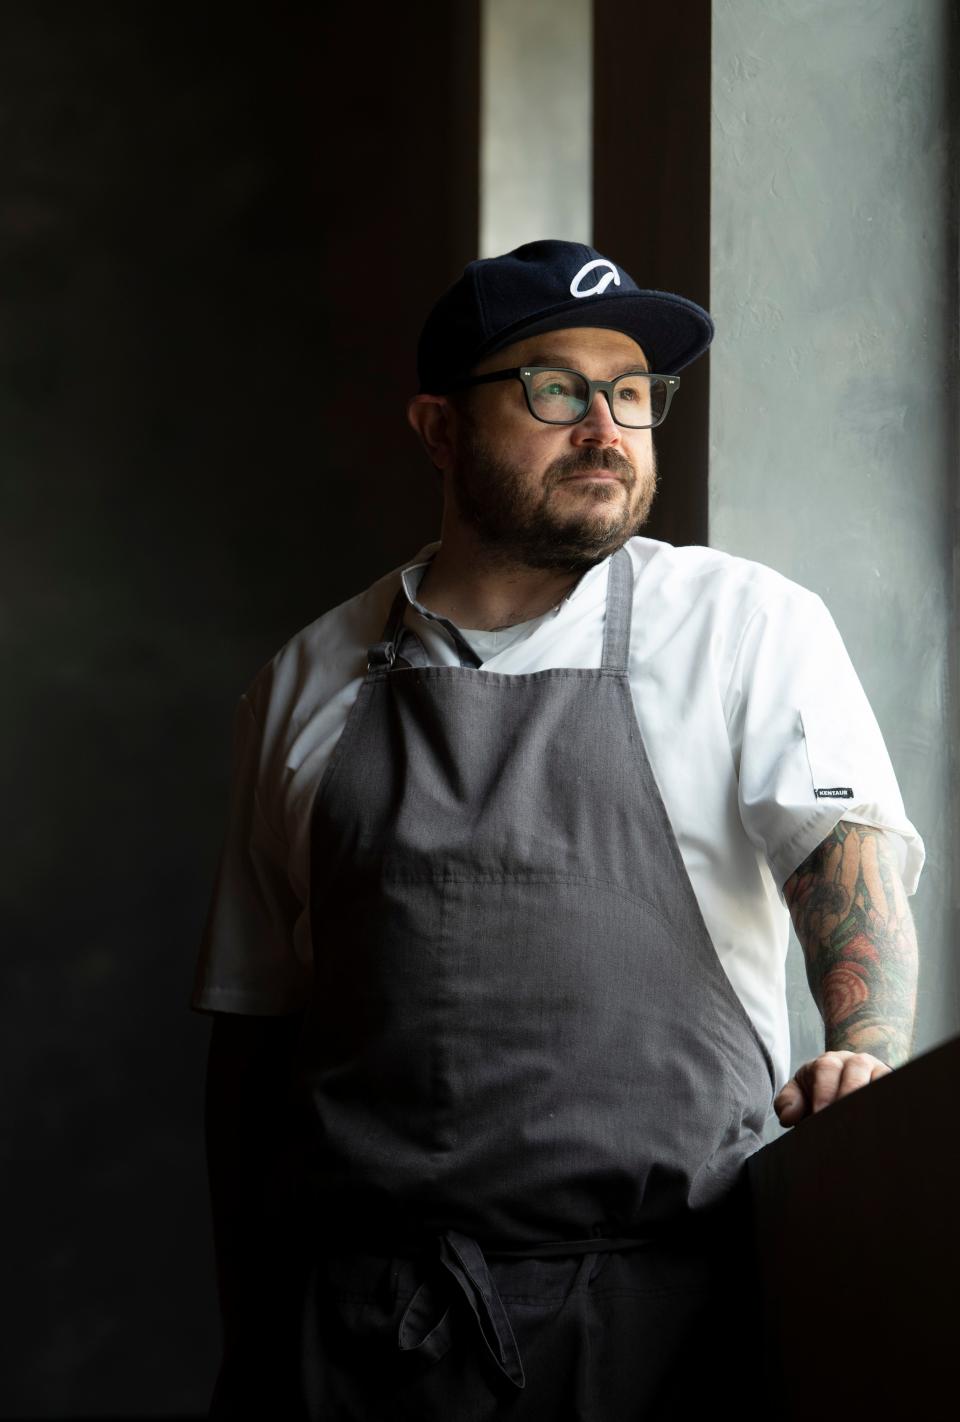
pixel 427 1326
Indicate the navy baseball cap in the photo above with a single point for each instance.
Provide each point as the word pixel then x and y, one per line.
pixel 546 286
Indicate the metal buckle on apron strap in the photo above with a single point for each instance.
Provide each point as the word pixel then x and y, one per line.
pixel 427 1326
pixel 382 654
pixel 387 655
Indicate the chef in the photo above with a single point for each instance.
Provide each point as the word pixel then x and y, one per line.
pixel 496 950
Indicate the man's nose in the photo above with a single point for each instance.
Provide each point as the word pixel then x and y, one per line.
pixel 598 426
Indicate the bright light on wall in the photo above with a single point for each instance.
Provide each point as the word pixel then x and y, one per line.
pixel 535 123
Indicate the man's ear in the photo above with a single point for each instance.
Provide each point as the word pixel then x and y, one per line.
pixel 434 420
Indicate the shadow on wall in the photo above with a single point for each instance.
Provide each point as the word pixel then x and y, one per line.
pixel 200 215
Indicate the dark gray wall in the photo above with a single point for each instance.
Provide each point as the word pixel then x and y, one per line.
pixel 220 227
pixel 651 206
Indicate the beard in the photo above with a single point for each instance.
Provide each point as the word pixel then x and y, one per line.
pixel 522 526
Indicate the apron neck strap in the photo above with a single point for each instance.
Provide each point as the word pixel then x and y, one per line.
pixel 616 626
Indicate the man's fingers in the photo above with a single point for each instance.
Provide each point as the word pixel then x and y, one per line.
pixel 820 1079
pixel 859 1070
pixel 836 1074
pixel 790 1104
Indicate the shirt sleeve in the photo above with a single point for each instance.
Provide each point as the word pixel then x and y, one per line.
pixel 247 962
pixel 809 748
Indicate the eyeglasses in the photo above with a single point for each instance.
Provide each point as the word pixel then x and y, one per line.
pixel 637 400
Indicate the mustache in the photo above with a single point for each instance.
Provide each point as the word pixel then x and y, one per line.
pixel 588 461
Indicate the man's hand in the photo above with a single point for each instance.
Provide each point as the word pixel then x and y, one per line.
pixel 826 1079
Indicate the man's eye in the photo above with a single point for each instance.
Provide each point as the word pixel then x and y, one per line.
pixel 556 390
pixel 636 394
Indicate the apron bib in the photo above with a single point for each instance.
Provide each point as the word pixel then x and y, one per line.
pixel 520 1036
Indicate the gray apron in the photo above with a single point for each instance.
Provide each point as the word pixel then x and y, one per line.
pixel 521 1043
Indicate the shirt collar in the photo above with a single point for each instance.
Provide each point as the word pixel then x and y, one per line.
pixel 411 576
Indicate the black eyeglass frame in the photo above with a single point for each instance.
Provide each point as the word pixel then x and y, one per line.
pixel 525 374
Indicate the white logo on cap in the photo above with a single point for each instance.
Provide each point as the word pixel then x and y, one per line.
pixel 611 274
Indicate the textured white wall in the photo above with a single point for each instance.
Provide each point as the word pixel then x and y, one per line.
pixel 535 125
pixel 834 373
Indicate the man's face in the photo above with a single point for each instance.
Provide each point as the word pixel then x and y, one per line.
pixel 553 496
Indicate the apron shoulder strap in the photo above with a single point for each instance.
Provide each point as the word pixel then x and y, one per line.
pixel 619 613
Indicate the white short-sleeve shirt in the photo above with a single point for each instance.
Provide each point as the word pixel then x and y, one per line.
pixel 758 732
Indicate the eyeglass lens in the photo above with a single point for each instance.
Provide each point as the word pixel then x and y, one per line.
pixel 560 397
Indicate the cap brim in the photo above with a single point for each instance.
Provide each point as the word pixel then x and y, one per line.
pixel 670 330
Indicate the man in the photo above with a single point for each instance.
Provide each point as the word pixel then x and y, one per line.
pixel 499 930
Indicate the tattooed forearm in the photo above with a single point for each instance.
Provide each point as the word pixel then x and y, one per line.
pixel 854 925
